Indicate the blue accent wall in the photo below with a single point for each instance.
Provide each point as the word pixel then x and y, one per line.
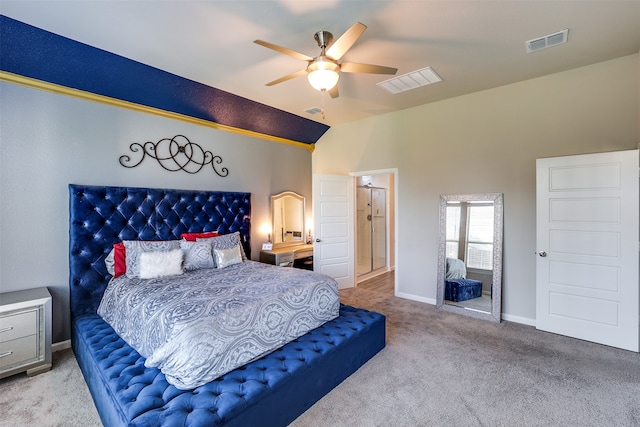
pixel 35 53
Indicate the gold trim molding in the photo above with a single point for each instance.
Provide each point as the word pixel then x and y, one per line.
pixel 77 93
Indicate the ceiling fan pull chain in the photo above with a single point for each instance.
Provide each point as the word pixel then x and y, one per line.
pixel 323 92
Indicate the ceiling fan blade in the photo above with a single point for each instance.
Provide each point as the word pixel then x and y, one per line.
pixel 333 92
pixel 284 50
pixel 345 41
pixel 352 67
pixel 287 77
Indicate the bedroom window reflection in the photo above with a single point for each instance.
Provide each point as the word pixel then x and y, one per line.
pixel 469 234
pixel 453 231
pixel 480 237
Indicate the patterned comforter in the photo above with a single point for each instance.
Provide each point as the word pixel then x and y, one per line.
pixel 200 325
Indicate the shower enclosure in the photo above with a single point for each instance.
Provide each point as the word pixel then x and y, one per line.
pixel 371 223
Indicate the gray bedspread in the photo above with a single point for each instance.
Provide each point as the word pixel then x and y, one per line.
pixel 200 325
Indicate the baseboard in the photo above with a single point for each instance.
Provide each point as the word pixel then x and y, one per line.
pixel 508 317
pixel 59 346
pixel 416 298
pixel 373 274
pixel 519 319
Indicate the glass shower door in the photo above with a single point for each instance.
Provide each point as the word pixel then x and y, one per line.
pixel 371 231
pixel 363 230
pixel 378 228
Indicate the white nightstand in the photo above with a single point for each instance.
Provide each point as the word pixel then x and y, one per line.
pixel 25 332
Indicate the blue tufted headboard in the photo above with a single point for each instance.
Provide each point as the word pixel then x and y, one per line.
pixel 101 216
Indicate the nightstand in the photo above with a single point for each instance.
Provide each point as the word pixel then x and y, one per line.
pixel 281 257
pixel 25 332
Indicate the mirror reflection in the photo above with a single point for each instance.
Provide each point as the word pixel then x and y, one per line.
pixel 470 267
pixel 287 213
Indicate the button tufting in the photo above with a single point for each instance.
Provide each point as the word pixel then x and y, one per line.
pixel 238 387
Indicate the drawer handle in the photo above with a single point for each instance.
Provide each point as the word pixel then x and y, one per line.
pixel 6 329
pixel 8 353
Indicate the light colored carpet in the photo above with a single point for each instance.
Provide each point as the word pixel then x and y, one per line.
pixel 438 369
pixel 59 397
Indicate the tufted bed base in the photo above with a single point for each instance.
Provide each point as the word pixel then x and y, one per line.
pixel 273 390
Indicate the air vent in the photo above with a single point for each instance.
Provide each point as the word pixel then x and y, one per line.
pixel 412 80
pixel 313 110
pixel 549 40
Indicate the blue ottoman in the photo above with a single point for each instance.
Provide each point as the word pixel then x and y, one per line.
pixel 462 289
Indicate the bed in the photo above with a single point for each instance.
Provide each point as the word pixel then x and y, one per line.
pixel 273 389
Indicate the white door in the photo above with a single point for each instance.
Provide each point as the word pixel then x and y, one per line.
pixel 333 216
pixel 587 247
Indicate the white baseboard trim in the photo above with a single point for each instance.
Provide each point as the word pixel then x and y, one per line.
pixel 416 298
pixel 519 319
pixel 373 274
pixel 508 317
pixel 59 346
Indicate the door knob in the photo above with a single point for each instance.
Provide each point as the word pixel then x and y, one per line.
pixel 318 240
pixel 542 254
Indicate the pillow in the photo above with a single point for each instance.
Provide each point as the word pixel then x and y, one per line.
pixel 455 269
pixel 134 248
pixel 227 257
pixel 197 255
pixel 115 261
pixel 191 237
pixel 160 264
pixel 225 241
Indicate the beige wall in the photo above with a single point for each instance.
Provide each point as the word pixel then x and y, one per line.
pixel 486 142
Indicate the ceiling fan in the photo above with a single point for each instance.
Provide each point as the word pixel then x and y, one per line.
pixel 322 71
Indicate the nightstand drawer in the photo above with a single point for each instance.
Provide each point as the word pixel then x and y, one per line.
pixel 285 260
pixel 18 325
pixel 21 350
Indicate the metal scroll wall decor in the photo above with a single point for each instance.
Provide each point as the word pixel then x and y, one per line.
pixel 175 154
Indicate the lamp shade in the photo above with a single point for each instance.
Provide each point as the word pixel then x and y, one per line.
pixel 323 75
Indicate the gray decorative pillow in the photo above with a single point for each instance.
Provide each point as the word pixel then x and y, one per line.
pixel 226 241
pixel 197 255
pixel 227 257
pixel 133 249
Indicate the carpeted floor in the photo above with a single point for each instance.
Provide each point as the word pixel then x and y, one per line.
pixel 438 369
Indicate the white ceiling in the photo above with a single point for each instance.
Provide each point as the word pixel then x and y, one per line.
pixel 473 45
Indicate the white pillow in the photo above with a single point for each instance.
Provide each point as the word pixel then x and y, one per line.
pixel 227 257
pixel 160 264
pixel 134 248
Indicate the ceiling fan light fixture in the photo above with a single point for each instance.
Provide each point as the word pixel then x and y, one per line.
pixel 323 75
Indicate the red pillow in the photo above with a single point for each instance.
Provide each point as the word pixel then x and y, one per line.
pixel 119 260
pixel 191 237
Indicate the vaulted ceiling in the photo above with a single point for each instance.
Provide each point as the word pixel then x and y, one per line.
pixel 473 45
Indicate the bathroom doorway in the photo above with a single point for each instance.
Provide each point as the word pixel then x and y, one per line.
pixel 373 206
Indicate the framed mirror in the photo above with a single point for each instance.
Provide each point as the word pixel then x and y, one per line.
pixel 287 215
pixel 470 255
